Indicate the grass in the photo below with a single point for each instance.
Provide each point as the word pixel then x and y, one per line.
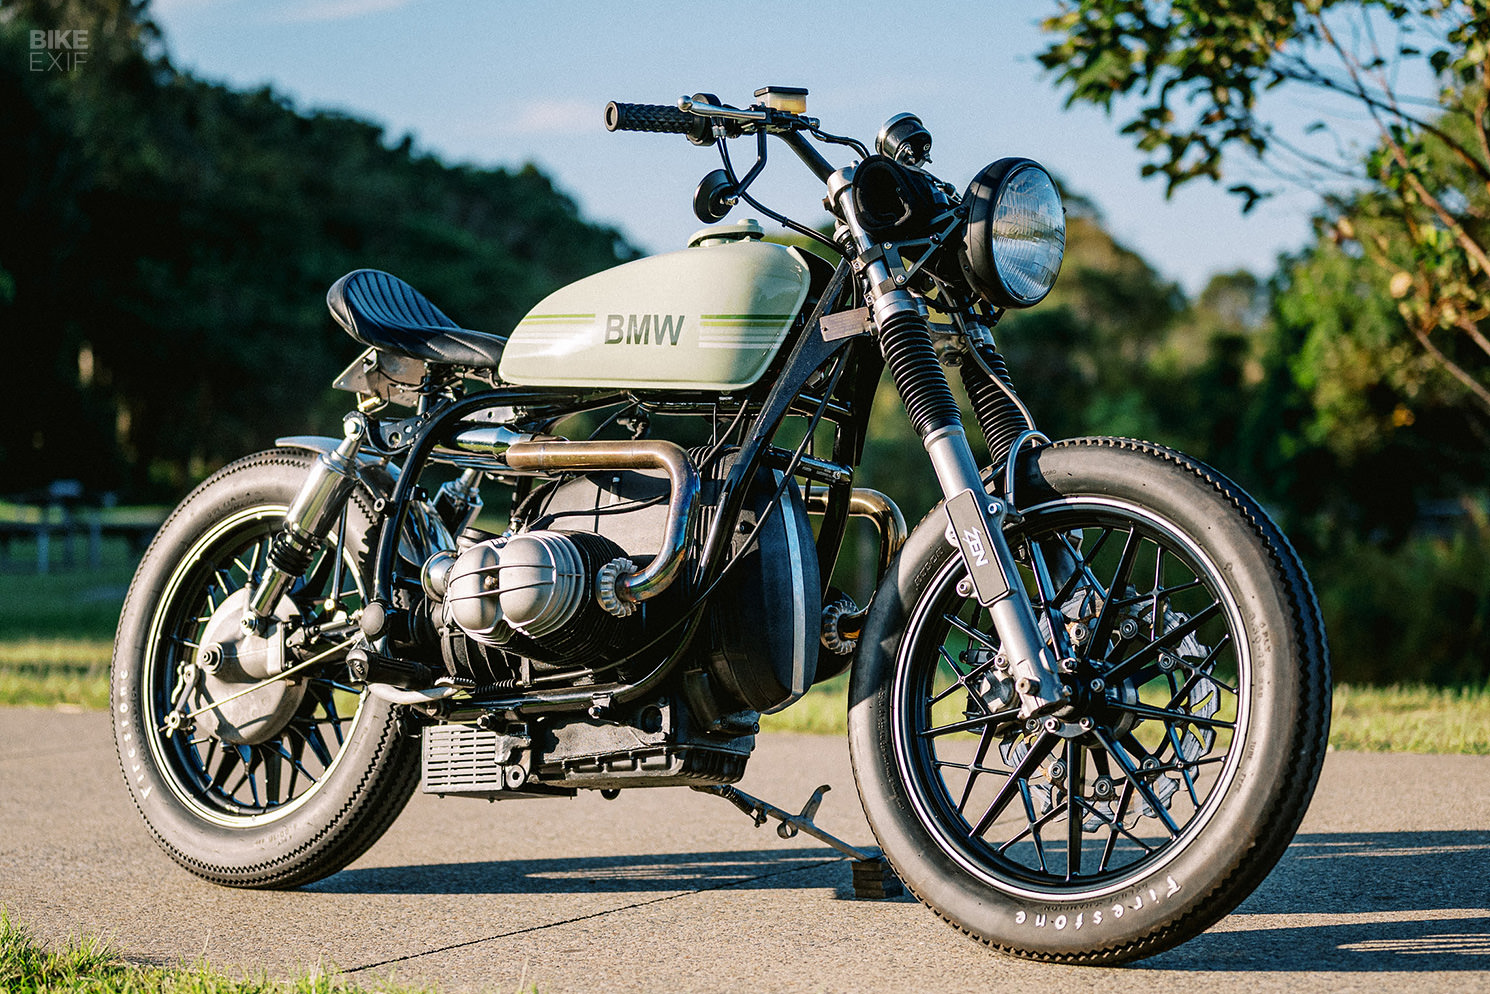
pixel 70 604
pixel 90 966
pixel 67 673
pixel 1413 718
pixel 57 629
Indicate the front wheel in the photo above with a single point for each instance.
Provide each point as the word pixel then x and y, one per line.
pixel 1192 649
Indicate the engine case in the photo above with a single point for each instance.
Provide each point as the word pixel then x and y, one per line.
pixel 628 507
pixel 755 651
pixel 534 595
pixel 765 616
pixel 760 644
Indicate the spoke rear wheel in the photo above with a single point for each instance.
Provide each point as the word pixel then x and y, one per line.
pixel 213 769
pixel 243 779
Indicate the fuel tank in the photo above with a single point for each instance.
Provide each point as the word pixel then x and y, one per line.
pixel 710 317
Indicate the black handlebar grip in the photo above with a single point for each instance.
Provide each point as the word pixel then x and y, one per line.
pixel 659 118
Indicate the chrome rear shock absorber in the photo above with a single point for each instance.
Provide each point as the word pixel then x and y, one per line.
pixel 309 519
pixel 975 518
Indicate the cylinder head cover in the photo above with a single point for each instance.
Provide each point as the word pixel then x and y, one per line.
pixel 534 582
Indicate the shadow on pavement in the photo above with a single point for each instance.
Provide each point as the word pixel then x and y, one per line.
pixel 1371 902
pixel 584 875
pixel 1411 902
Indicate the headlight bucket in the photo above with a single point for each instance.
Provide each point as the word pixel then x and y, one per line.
pixel 1016 233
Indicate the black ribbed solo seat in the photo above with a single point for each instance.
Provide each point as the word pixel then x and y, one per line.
pixel 385 312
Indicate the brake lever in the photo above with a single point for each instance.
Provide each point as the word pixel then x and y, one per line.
pixel 774 120
pixel 702 108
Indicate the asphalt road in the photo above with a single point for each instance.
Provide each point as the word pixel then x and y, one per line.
pixel 1387 888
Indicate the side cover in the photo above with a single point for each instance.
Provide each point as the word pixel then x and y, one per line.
pixel 706 318
pixel 767 611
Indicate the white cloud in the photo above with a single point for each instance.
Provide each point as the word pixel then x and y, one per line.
pixel 558 117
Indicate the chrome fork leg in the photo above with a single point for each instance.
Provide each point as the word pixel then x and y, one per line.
pixel 976 527
pixel 976 520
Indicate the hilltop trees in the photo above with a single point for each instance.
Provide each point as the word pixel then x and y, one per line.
pixel 1190 83
pixel 166 245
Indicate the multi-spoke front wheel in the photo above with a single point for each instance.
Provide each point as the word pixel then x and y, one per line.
pixel 252 758
pixel 1168 786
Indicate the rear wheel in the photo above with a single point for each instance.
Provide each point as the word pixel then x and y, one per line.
pixel 1151 806
pixel 243 779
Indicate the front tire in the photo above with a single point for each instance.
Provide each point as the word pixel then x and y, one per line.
pixel 290 783
pixel 1195 653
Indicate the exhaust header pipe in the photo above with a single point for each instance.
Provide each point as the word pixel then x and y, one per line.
pixel 561 456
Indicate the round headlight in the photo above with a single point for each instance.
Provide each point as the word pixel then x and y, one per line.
pixel 1016 233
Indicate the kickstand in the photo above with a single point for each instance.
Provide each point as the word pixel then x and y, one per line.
pixel 873 877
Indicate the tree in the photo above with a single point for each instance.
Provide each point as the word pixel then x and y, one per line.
pixel 166 244
pixel 1188 79
pixel 1083 357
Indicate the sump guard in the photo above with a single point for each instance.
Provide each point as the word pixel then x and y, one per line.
pixel 554 755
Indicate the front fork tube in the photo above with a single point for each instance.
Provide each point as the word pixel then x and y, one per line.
pixel 309 519
pixel 976 519
pixel 976 526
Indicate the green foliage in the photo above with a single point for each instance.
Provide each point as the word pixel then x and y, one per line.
pixel 1118 350
pixel 1082 358
pixel 90 966
pixel 1417 613
pixel 1197 70
pixel 1187 79
pixel 1366 394
pixel 166 243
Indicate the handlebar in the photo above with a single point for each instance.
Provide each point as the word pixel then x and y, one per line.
pixel 658 118
pixel 692 117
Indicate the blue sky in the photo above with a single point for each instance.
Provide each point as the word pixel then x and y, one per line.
pixel 503 83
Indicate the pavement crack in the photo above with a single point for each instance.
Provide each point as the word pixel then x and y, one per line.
pixel 795 868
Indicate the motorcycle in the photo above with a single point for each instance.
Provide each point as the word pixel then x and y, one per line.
pixel 1088 694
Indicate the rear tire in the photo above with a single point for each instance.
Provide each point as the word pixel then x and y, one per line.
pixel 281 809
pixel 1152 810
